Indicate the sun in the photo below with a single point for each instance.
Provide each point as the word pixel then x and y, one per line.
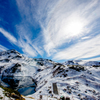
pixel 74 28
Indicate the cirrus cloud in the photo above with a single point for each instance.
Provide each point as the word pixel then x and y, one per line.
pixel 85 49
pixel 10 37
pixel 58 29
pixel 68 21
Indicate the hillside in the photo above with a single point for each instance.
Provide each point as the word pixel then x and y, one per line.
pixel 36 77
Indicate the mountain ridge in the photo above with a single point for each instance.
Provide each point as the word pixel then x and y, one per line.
pixel 37 75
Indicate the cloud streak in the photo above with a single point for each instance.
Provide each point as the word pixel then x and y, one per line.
pixel 86 49
pixel 29 22
pixel 69 20
pixel 58 29
pixel 2 48
pixel 61 22
pixel 10 37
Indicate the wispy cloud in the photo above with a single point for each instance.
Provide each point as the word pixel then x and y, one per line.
pixel 69 20
pixel 71 24
pixel 30 47
pixel 10 37
pixel 25 29
pixel 94 59
pixel 2 48
pixel 28 50
pixel 36 13
pixel 86 49
pixel 26 47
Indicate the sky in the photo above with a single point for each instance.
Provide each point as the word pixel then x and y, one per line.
pixel 60 30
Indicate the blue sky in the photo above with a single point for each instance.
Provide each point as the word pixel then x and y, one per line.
pixel 54 29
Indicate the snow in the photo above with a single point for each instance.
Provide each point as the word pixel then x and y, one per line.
pixel 82 84
pixel 80 62
pixel 2 95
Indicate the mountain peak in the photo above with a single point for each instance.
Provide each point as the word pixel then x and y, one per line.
pixel 37 76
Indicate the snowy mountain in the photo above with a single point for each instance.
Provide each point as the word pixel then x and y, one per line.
pixel 83 63
pixel 44 78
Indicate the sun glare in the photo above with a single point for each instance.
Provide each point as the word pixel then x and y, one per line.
pixel 75 28
pixel 72 27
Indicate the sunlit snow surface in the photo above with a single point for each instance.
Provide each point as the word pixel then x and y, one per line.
pixel 82 84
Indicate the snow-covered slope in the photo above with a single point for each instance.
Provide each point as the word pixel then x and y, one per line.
pixel 38 77
pixel 83 63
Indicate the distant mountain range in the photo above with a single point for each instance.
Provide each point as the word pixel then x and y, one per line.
pixel 75 79
pixel 81 62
